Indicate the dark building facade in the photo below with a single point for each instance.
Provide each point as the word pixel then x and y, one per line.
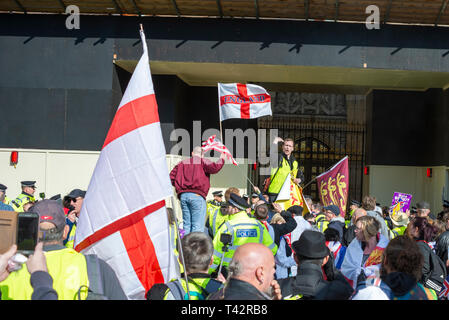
pixel 59 88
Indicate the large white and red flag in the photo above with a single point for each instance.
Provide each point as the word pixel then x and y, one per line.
pixel 244 101
pixel 123 218
pixel 212 143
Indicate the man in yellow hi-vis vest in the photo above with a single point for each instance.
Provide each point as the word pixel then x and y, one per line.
pixel 75 276
pixel 286 164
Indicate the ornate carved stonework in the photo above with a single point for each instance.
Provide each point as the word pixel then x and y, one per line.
pixel 297 103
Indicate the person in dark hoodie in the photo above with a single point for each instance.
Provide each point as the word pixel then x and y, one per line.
pixel 337 222
pixel 400 273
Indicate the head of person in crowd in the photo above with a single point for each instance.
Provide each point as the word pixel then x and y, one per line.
pixel 439 225
pixel 76 197
pixel 422 209
pixel 197 152
pixel 246 198
pixel 369 203
pixel 445 220
pixel 310 218
pixel 332 211
pixel 218 196
pixel 445 206
pixel 261 211
pixel 235 204
pixel 266 197
pixel 360 212
pixel 254 263
pixel 420 228
pixel 2 192
pixel 366 228
pixel 331 234
pixel 317 208
pixel 254 198
pixel 385 212
pixel 28 187
pixel 309 201
pixel 354 205
pixel 198 250
pixel 52 223
pixel 311 247
pixel 229 191
pixel 402 254
pixel 295 210
pixel 288 146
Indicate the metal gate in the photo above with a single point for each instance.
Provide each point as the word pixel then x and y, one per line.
pixel 319 144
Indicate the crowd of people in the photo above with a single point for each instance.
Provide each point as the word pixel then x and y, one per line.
pixel 247 247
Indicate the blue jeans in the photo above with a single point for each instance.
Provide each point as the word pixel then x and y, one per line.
pixel 193 212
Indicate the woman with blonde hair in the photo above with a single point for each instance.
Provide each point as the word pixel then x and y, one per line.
pixel 364 254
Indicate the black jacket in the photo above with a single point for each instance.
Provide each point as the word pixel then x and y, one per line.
pixel 238 290
pixel 285 228
pixel 308 281
pixel 441 248
pixel 348 235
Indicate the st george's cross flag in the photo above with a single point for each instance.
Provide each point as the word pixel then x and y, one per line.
pixel 244 101
pixel 123 218
pixel 212 143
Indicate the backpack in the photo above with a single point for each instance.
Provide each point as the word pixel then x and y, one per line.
pixel 435 278
pixel 157 292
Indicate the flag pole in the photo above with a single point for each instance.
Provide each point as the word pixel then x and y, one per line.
pixel 181 253
pixel 219 114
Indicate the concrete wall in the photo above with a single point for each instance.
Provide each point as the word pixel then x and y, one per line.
pixel 385 180
pixel 60 171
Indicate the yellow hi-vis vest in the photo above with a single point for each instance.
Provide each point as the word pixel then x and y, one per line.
pixel 199 288
pixel 17 203
pixel 216 219
pixel 68 269
pixel 242 229
pixel 278 175
pixel 71 238
pixel 174 242
pixel 321 222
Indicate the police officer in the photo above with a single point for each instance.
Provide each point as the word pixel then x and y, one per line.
pixel 354 206
pixel 27 195
pixel 242 229
pixel 286 165
pixel 4 202
pixel 197 250
pixel 214 204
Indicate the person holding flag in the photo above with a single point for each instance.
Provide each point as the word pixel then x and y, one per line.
pixel 286 165
pixel 191 179
pixel 123 218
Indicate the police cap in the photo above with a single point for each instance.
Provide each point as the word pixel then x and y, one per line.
pixel 237 201
pixel 217 194
pixel 28 184
pixel 3 187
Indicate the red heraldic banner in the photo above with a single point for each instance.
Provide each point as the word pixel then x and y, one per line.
pixel 123 218
pixel 333 185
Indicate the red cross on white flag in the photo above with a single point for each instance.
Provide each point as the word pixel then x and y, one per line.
pixel 244 101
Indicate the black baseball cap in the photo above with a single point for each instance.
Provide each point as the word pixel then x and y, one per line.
pixel 75 193
pixel 335 210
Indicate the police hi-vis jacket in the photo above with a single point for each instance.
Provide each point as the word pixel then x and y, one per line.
pixel 242 229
